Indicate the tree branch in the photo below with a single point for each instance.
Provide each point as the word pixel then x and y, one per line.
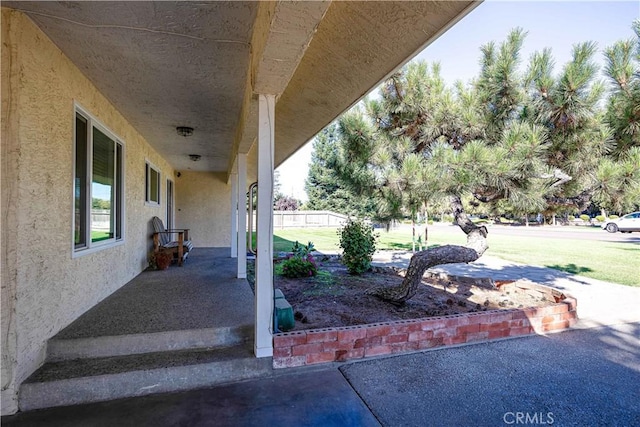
pixel 449 254
pixel 487 198
pixel 561 177
pixel 580 201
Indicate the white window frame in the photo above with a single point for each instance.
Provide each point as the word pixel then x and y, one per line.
pixel 147 182
pixel 171 210
pixel 92 247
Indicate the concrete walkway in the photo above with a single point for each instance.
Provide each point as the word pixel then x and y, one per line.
pixel 599 303
pixel 586 377
pixel 306 398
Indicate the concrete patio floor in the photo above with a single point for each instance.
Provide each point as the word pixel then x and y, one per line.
pixel 202 294
pixel 164 331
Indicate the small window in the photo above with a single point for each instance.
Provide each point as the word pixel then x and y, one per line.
pixel 152 178
pixel 98 185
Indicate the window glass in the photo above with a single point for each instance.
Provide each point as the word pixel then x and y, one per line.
pixel 119 191
pixel 152 176
pixel 79 184
pixel 98 186
pixel 103 187
pixel 169 204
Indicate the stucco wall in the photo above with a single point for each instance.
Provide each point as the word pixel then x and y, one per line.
pixel 8 242
pixel 203 205
pixel 43 287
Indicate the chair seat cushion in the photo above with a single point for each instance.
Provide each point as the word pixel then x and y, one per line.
pixel 186 244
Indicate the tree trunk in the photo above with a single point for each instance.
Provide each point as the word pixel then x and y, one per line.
pixel 413 236
pixel 426 236
pixel 426 229
pixel 449 254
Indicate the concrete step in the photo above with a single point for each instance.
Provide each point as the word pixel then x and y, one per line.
pixel 60 349
pixel 74 382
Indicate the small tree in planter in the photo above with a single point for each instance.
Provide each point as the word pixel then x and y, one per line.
pixel 358 243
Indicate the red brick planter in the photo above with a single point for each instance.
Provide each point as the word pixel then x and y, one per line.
pixel 355 342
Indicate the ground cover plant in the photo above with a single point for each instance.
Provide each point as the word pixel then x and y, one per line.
pixel 300 263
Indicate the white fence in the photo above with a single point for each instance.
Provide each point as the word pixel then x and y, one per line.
pixel 306 219
pixel 100 219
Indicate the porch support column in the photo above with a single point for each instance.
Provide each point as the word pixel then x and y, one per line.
pixel 241 235
pixel 234 215
pixel 264 254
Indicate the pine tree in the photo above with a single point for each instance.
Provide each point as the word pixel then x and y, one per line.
pixel 525 141
pixel 323 187
pixel 623 109
pixel 618 175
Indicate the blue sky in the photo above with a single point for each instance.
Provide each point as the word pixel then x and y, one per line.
pixel 555 24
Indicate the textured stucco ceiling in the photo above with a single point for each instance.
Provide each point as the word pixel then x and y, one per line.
pixel 163 65
pixel 199 64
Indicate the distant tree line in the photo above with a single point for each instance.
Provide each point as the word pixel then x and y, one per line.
pixel 100 204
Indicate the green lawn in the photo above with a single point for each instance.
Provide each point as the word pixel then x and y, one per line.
pixel 608 261
pixel 97 236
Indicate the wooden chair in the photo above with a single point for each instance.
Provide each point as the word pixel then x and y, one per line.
pixel 162 240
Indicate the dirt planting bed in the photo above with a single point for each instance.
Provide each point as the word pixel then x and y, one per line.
pixel 334 298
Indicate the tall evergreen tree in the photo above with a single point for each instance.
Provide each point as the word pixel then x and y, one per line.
pixel 619 174
pixel 623 109
pixel 323 187
pixel 529 141
pixel 567 107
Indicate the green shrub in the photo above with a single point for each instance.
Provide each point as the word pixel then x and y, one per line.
pixel 600 218
pixel 358 243
pixel 584 218
pixel 300 263
pixel 571 217
pixel 297 267
pixel 613 217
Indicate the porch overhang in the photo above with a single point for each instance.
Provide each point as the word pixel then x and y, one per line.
pixel 201 64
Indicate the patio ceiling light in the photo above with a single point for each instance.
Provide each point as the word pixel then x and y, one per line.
pixel 195 157
pixel 184 131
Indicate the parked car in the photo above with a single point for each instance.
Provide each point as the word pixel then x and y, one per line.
pixel 625 224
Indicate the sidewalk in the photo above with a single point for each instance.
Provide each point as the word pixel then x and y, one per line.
pixel 579 378
pixel 599 303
